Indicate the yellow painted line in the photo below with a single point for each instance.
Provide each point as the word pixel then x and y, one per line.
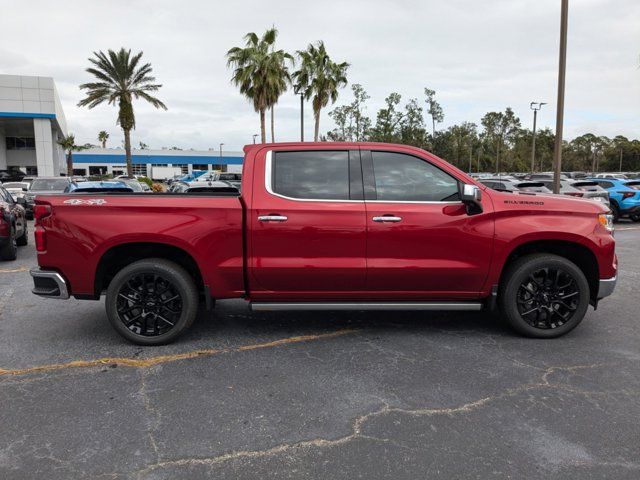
pixel 149 362
pixel 13 270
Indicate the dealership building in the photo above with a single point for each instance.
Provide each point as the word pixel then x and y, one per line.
pixel 32 122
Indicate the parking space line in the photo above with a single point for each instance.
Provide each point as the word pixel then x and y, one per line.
pixel 150 362
pixel 626 228
pixel 13 270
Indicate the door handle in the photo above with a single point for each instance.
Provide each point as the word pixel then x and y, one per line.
pixel 272 218
pixel 387 218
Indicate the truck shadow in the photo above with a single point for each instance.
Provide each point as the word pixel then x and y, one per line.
pixel 234 317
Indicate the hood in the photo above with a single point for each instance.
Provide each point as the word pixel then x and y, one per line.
pixel 546 202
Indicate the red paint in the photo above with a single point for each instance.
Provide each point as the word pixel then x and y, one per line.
pixel 325 250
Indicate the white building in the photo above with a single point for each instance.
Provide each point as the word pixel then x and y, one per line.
pixel 31 123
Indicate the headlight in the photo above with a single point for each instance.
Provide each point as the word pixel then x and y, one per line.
pixel 606 220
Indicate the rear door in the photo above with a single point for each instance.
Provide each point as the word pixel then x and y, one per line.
pixel 421 243
pixel 308 227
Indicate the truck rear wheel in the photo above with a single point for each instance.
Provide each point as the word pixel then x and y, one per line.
pixel 543 295
pixel 152 301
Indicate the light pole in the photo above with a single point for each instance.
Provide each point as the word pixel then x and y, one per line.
pixel 301 117
pixel 535 106
pixel 254 138
pixel 221 157
pixel 562 68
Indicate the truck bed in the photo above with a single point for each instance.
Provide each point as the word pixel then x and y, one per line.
pixel 87 232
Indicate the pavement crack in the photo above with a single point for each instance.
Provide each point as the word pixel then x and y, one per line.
pixel 152 361
pixel 154 421
pixel 359 423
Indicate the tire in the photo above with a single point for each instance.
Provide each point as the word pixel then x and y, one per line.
pixel 154 317
pixel 10 250
pixel 23 239
pixel 615 211
pixel 635 217
pixel 528 286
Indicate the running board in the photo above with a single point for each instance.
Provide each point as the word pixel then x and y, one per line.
pixel 283 306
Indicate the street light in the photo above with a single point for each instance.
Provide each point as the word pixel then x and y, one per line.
pixel 254 138
pixel 562 68
pixel 535 106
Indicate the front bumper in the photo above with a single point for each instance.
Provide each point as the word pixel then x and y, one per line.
pixel 606 287
pixel 49 284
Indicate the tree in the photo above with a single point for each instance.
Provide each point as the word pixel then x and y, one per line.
pixel 435 110
pixel 119 80
pixel 261 73
pixel 351 122
pixel 319 79
pixel 388 120
pixel 68 143
pixel 499 130
pixel 102 138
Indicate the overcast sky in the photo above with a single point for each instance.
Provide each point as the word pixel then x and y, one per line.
pixel 478 56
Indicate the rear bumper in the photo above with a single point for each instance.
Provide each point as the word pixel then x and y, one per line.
pixel 49 284
pixel 606 287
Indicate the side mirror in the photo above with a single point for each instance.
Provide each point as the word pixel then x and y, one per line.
pixel 471 196
pixel 24 189
pixel 21 201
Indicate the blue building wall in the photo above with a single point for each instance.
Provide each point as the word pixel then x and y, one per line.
pixel 119 158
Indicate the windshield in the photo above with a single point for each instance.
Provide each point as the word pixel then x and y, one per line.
pixel 49 184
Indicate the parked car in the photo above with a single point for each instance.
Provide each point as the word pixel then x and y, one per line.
pixel 145 187
pixel 16 189
pixel 506 184
pixel 234 179
pixel 177 186
pixel 44 185
pixel 13 225
pixel 102 186
pixel 360 226
pixel 591 190
pixel 11 175
pixel 569 187
pixel 624 200
pixel 206 187
pixel 541 176
pixel 618 176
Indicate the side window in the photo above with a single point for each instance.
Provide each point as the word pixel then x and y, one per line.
pixel 401 177
pixel 316 175
pixel 605 184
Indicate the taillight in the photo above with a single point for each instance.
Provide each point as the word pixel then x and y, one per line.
pixel 627 194
pixel 41 211
pixel 575 194
pixel 4 224
pixel 41 239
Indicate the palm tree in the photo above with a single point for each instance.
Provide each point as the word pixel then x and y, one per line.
pixel 102 138
pixel 319 78
pixel 68 143
pixel 260 72
pixel 120 79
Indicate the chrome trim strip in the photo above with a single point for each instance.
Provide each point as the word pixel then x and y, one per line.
pixel 272 218
pixel 387 219
pixel 62 284
pixel 606 287
pixel 284 306
pixel 268 187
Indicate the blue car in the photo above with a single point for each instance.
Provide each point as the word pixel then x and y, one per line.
pixel 624 196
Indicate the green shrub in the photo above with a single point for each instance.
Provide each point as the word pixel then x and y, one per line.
pixel 146 180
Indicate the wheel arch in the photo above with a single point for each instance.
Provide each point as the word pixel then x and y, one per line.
pixel 579 254
pixel 119 256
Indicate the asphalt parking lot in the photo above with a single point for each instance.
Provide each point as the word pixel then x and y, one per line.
pixel 298 395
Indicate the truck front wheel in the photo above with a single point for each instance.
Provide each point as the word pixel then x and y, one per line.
pixel 152 301
pixel 543 295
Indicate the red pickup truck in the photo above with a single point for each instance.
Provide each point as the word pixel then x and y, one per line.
pixel 329 226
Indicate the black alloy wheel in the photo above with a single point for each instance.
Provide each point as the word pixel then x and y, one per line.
pixel 548 298
pixel 152 301
pixel 543 295
pixel 149 304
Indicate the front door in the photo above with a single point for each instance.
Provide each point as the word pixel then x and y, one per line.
pixel 420 241
pixel 308 225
